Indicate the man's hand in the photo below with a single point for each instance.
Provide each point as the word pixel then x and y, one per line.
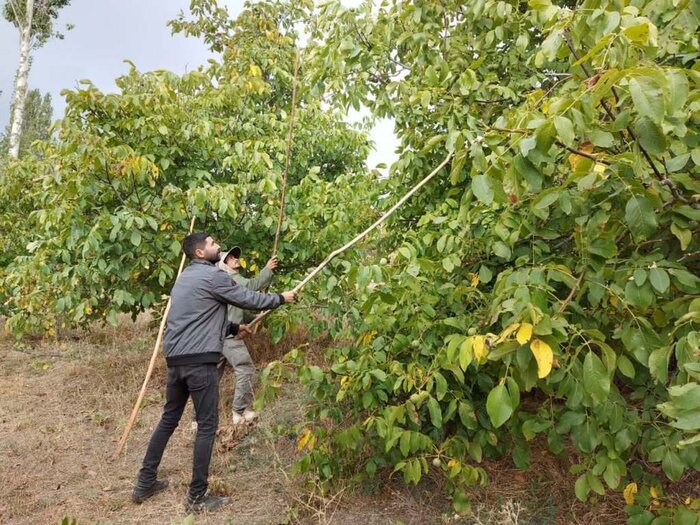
pixel 289 297
pixel 272 263
pixel 243 331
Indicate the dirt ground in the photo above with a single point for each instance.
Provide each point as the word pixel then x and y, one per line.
pixel 65 403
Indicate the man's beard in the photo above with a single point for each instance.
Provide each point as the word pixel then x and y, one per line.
pixel 215 257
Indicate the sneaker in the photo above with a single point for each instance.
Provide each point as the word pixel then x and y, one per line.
pixel 250 415
pixel 237 419
pixel 208 503
pixel 139 495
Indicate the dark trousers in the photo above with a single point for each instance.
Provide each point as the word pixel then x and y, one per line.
pixel 202 383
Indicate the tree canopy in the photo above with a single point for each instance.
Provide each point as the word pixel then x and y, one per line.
pixel 542 291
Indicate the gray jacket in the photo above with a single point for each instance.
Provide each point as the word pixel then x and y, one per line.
pixel 196 324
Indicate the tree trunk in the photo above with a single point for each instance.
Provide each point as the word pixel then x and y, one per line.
pixel 21 81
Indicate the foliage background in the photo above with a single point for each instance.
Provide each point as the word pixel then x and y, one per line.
pixel 542 291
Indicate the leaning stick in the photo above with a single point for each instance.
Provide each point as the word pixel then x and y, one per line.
pixel 151 365
pixel 280 217
pixel 379 221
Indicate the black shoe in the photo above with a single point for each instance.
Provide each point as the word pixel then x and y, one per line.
pixel 208 503
pixel 140 495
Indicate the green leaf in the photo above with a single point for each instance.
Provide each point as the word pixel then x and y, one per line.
pixel 461 502
pixel 683 235
pixel 581 488
pixel 596 380
pixel 501 250
pixel 435 412
pixel 673 465
pixel 135 238
pixel 640 217
pixel 485 274
pixel 659 279
pixel 466 414
pixel 603 139
pixel 685 280
pixel 565 129
pixel 625 366
pixel 678 88
pixel 647 99
pixel 686 397
pixel 546 200
pixel 465 353
pixel 440 385
pixel 639 296
pixel 640 276
pixel 498 405
pixel 612 475
pixel 686 516
pixel 482 188
pixel 405 443
pixel 658 363
pixel 650 136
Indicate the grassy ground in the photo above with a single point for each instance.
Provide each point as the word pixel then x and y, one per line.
pixel 65 403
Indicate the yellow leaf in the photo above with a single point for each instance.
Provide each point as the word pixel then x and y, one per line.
pixel 544 356
pixel 629 492
pixel 614 300
pixel 509 330
pixel 242 262
pixel 654 493
pixel 254 268
pixel 479 347
pixel 599 168
pixel 524 333
pixel 368 337
pixel 474 280
pixel 305 436
pixel 577 161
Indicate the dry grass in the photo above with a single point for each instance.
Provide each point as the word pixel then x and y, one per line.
pixel 66 403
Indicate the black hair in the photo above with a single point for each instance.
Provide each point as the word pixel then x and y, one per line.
pixel 193 242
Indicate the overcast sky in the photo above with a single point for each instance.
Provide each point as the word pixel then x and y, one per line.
pixel 106 33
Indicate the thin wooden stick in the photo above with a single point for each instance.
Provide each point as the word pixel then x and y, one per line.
pixel 280 217
pixel 379 221
pixel 151 365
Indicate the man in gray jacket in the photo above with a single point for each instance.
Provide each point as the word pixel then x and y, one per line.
pixel 196 328
pixel 235 350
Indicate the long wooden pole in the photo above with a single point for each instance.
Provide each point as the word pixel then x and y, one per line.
pixel 151 365
pixel 290 133
pixel 340 250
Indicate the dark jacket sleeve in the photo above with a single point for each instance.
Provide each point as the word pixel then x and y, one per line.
pixel 223 289
pixel 231 329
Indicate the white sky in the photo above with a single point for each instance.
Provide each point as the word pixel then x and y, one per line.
pixel 106 33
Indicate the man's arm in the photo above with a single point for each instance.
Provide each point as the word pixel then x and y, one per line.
pixel 263 280
pixel 226 291
pixel 240 330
